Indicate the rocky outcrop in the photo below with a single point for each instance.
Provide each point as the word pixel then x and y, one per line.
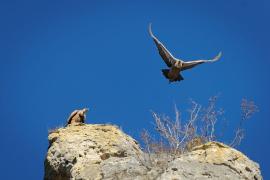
pixel 213 160
pixel 105 152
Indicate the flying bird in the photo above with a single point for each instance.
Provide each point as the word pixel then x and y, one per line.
pixel 176 65
pixel 77 116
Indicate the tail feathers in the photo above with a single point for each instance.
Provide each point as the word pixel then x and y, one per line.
pixel 166 72
pixel 180 77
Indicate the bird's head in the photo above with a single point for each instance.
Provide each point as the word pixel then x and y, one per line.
pixel 85 110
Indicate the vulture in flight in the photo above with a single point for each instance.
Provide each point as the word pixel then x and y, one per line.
pixel 176 65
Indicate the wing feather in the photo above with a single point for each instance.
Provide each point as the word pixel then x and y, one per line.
pixel 71 116
pixel 191 64
pixel 163 52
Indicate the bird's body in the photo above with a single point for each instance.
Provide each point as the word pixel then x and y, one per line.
pixel 172 74
pixel 77 116
pixel 176 65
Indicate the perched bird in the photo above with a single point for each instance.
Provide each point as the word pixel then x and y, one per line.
pixel 176 65
pixel 77 116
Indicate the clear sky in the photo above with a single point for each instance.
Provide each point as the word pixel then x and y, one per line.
pixel 57 56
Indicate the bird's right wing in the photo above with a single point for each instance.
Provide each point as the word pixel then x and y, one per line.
pixel 191 64
pixel 163 52
pixel 72 115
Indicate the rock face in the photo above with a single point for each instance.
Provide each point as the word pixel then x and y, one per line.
pixel 213 160
pixel 105 152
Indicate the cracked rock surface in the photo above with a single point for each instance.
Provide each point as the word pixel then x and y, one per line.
pixel 89 152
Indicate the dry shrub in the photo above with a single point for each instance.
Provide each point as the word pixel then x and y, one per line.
pixel 177 136
pixel 248 108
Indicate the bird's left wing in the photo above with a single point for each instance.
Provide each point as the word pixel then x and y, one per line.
pixel 163 52
pixel 191 64
pixel 72 115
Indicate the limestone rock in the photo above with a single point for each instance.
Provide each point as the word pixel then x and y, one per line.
pixel 89 152
pixel 212 160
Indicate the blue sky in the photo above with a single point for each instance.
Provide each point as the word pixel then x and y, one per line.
pixel 60 56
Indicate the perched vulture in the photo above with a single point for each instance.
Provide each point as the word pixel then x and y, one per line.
pixel 77 116
pixel 176 65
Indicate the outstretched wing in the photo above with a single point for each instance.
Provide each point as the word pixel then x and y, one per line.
pixel 163 52
pixel 71 116
pixel 191 64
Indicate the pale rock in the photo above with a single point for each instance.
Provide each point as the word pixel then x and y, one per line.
pixel 93 152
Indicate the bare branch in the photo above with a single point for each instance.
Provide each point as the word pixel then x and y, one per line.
pixel 177 136
pixel 239 135
pixel 248 109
